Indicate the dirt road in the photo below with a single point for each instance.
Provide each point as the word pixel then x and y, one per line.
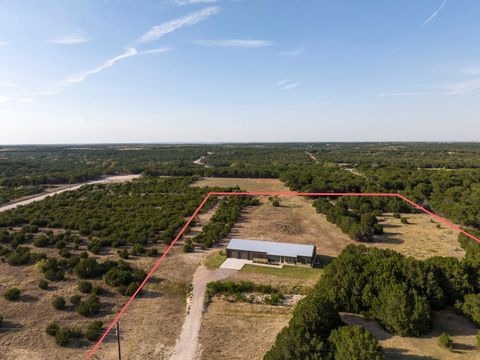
pixel 106 180
pixel 187 344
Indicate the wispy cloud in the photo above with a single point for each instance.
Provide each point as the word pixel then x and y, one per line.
pixel 165 28
pixel 4 43
pixel 283 82
pixel 287 84
pixel 155 51
pixel 243 43
pixel 462 87
pixel 295 52
pixel 107 64
pixel 434 15
pixel 406 93
pixel 188 2
pixel 291 86
pixel 72 39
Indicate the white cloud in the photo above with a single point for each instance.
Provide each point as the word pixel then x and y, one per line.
pixel 9 84
pixel 72 39
pixel 283 82
pixel 243 43
pixel 167 27
pixel 295 52
pixel 107 64
pixel 462 87
pixel 434 15
pixel 4 99
pixel 188 2
pixel 4 43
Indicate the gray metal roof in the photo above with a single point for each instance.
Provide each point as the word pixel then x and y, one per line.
pixel 272 248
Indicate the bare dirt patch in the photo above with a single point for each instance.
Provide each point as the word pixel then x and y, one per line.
pixel 395 347
pixel 226 331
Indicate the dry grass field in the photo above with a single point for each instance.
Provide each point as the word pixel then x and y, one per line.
pixel 239 330
pixel 426 347
pixel 421 238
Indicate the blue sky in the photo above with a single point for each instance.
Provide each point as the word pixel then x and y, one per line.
pixel 94 71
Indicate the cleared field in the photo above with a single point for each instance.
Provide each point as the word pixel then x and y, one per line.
pixel 226 331
pixel 422 237
pixel 247 184
pixel 425 347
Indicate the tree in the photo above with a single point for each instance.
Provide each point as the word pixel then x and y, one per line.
pixel 471 308
pixel 354 343
pixel 306 335
pixel 402 310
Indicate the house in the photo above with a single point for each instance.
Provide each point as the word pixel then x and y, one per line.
pixel 271 252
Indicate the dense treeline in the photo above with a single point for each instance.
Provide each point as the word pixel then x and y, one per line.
pixel 399 292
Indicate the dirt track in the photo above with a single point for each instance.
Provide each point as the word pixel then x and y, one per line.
pixel 186 347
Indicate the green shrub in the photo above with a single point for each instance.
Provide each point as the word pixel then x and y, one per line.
pixel 354 343
pixel 404 220
pixel 12 294
pixel 94 330
pixel 130 289
pixel 116 277
pixel 52 329
pixel 123 253
pixel 397 215
pixel 97 290
pixel 43 284
pixel 75 300
pixel 445 340
pixel 88 268
pixel 62 337
pixel 137 249
pixel 41 241
pixel 89 307
pixel 85 287
pixel 58 303
pixel 152 252
pixel 478 339
pixel 471 308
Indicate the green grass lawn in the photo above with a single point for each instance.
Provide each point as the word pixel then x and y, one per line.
pixel 216 259
pixel 296 272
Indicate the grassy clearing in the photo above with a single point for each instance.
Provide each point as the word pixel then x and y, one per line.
pixel 296 272
pixel 216 259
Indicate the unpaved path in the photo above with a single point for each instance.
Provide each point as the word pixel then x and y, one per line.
pixel 186 347
pixel 106 180
pixel 313 157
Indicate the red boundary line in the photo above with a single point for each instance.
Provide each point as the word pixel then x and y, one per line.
pixel 291 193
